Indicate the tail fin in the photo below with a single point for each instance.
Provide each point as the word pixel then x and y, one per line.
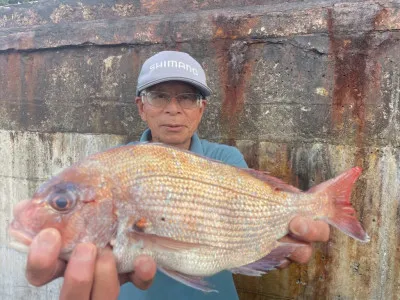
pixel 342 214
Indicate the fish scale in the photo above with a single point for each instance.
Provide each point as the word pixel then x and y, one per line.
pixel 237 214
pixel 243 202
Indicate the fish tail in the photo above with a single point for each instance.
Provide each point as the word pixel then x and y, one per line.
pixel 341 213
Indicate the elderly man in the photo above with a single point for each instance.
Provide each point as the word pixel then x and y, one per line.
pixel 171 99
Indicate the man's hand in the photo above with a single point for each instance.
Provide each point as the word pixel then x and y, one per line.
pixel 87 275
pixel 306 231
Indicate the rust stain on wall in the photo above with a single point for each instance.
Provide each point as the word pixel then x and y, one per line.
pixel 321 261
pixel 136 63
pixel 235 67
pixel 149 32
pixel 351 56
pixel 32 66
pixel 152 6
pixel 14 77
pixel 381 18
pixel 25 40
pixel 23 81
pixel 387 19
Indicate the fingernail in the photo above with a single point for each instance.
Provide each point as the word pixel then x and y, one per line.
pixel 47 239
pixel 283 264
pixel 84 252
pixel 301 228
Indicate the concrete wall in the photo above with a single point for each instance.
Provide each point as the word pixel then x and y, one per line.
pixel 305 89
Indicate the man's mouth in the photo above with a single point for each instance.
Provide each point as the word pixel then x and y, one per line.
pixel 173 127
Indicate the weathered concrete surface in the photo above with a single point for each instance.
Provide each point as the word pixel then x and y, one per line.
pixel 306 89
pixel 32 30
pixel 341 268
pixel 27 159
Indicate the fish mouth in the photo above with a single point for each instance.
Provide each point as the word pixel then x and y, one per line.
pixel 20 240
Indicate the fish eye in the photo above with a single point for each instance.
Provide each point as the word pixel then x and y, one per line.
pixel 62 202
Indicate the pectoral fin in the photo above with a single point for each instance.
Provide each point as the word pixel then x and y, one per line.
pixel 140 230
pixel 152 241
pixel 195 282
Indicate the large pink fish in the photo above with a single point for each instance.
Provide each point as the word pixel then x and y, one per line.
pixel 193 215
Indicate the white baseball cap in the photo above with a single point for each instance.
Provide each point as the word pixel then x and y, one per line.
pixel 172 65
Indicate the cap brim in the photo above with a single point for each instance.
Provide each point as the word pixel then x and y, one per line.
pixel 204 90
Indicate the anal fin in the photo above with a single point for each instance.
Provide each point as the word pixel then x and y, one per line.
pixel 269 262
pixel 195 282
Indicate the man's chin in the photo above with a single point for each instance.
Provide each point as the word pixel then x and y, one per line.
pixel 176 142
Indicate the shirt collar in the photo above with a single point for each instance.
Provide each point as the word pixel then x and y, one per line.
pixel 146 136
pixel 195 144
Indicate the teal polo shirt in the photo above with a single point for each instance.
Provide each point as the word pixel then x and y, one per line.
pixel 164 287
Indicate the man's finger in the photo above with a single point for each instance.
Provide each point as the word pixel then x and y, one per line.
pixel 43 264
pixel 144 272
pixel 78 277
pixel 284 264
pixel 309 230
pixel 301 255
pixel 106 284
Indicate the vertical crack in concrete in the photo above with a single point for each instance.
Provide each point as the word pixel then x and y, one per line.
pixel 393 128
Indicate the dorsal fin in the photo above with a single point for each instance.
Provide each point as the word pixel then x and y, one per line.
pixel 276 183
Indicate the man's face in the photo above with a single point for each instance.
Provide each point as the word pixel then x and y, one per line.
pixel 172 124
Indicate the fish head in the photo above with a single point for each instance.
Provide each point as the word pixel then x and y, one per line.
pixel 77 203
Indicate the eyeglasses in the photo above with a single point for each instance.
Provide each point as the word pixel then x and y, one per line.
pixel 161 99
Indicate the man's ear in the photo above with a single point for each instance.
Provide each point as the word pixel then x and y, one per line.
pixel 203 106
pixel 139 105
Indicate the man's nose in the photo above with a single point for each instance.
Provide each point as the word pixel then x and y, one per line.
pixel 173 106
